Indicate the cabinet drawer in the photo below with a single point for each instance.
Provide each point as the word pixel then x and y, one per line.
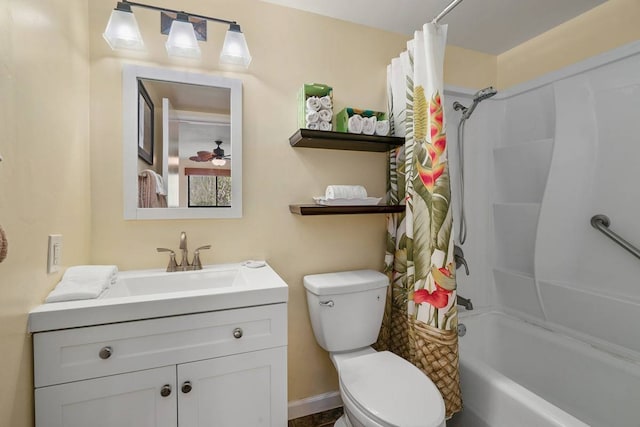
pixel 82 353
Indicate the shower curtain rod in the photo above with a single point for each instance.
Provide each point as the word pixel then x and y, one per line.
pixel 446 10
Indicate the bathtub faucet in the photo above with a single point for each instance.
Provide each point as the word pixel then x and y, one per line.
pixel 458 257
pixel 465 302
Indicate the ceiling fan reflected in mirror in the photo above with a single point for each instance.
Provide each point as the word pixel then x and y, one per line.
pixel 216 156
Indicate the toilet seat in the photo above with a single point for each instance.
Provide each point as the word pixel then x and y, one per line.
pixel 371 381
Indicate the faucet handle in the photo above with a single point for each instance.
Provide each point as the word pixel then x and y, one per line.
pixel 172 259
pixel 197 265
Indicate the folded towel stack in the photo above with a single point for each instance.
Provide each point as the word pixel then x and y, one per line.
pixel 319 113
pixel 345 192
pixel 368 125
pixel 83 282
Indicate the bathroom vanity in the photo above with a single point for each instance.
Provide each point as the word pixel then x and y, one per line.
pixel 166 349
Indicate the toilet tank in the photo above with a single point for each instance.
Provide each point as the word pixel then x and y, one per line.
pixel 346 308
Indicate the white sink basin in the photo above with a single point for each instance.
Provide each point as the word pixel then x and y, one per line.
pixel 146 294
pixel 180 281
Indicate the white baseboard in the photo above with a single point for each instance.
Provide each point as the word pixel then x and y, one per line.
pixel 314 404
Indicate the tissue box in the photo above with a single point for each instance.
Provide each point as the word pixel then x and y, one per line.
pixel 342 118
pixel 309 90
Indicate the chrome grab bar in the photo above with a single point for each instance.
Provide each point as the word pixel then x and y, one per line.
pixel 602 223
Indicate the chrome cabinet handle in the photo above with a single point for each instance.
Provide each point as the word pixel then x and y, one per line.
pixel 105 352
pixel 186 387
pixel 327 303
pixel 165 391
pixel 237 332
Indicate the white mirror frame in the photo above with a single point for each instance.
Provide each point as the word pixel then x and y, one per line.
pixel 130 76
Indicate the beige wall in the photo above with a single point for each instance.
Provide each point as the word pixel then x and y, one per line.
pixel 44 178
pixel 289 48
pixel 48 186
pixel 610 25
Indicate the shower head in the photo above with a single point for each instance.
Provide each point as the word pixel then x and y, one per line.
pixel 479 96
pixel 483 94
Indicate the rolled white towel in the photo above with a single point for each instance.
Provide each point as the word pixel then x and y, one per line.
pixel 345 192
pixel 313 103
pixel 382 127
pixel 325 102
pixel 324 126
pixel 325 115
pixel 369 125
pixel 313 117
pixel 355 124
pixel 83 282
pixel 313 126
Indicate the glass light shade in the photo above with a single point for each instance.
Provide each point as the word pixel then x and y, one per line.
pixel 122 31
pixel 218 162
pixel 235 50
pixel 182 40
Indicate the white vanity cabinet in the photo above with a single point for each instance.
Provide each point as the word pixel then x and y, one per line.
pixel 222 368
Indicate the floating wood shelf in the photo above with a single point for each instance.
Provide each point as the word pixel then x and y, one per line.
pixel 313 209
pixel 344 141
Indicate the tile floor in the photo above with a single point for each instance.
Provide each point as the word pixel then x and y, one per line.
pixel 321 419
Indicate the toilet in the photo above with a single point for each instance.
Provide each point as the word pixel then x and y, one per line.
pixel 378 389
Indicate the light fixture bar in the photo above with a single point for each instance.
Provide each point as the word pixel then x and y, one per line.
pixel 164 9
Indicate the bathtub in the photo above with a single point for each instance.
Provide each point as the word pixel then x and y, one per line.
pixel 516 374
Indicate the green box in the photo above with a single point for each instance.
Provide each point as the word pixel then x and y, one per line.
pixel 307 91
pixel 342 118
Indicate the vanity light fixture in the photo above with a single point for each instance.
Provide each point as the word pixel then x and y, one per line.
pixel 122 32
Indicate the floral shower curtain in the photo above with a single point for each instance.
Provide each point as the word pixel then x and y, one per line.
pixel 420 321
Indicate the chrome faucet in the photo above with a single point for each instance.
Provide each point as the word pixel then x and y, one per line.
pixel 184 262
pixel 465 302
pixel 458 257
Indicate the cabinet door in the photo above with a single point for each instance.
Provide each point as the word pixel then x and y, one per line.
pixel 126 400
pixel 248 390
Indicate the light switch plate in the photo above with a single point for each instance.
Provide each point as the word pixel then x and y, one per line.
pixel 54 255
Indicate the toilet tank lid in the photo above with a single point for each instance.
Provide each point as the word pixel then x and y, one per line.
pixel 345 282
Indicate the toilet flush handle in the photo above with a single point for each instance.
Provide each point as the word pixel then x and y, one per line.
pixel 327 303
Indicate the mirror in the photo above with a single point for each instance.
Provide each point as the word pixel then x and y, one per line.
pixel 182 136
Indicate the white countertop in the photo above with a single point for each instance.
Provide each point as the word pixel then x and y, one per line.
pixel 259 286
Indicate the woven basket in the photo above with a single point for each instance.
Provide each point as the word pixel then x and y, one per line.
pixel 435 352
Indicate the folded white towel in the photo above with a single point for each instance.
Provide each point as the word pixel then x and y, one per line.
pixel 369 125
pixel 382 127
pixel 325 126
pixel 313 117
pixel 355 124
pixel 313 126
pixel 345 192
pixel 83 282
pixel 325 102
pixel 313 103
pixel 325 115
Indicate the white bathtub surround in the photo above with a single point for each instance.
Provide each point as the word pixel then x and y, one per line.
pixel 547 156
pixel 422 238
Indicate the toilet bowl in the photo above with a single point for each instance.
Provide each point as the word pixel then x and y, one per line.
pixel 378 389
